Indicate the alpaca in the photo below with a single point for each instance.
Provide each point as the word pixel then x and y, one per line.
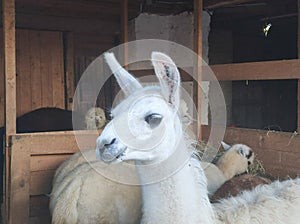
pixel 95 118
pixel 146 128
pixel 82 195
pixel 233 162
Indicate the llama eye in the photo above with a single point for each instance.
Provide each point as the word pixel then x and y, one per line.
pixel 153 120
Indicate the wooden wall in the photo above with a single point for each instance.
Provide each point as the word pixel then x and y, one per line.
pixel 33 167
pixel 40 71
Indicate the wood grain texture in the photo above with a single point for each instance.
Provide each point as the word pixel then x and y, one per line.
pixel 282 69
pixel 197 98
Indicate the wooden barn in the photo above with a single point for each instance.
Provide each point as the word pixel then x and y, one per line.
pixel 252 46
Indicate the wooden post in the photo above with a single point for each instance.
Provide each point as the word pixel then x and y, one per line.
pixel 298 98
pixel 198 6
pixel 9 37
pixel 124 29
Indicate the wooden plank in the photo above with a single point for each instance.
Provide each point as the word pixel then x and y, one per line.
pixel 19 182
pixel 9 32
pixel 198 4
pixel 124 28
pixel 69 69
pixel 43 22
pixel 63 142
pixel 185 76
pixel 213 4
pixel 1 80
pixel 47 162
pixel 282 69
pixel 9 35
pixel 46 69
pixel 41 182
pixel 298 48
pixel 56 41
pixel 35 69
pixel 23 73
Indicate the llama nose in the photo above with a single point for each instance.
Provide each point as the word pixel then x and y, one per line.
pixel 112 150
pixel 111 142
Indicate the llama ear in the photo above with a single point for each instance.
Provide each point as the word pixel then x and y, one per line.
pixel 225 145
pixel 125 80
pixel 169 77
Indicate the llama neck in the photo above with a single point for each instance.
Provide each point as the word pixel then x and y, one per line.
pixel 180 198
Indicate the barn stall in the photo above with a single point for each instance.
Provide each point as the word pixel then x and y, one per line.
pixel 54 41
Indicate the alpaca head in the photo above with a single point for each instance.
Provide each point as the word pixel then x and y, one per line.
pixel 95 118
pixel 236 160
pixel 145 126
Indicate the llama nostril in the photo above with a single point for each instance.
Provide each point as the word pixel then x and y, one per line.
pixel 112 142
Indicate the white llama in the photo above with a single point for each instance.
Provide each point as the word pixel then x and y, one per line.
pixel 180 197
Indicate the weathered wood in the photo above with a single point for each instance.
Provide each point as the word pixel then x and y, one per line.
pixel 9 32
pixel 63 142
pixel 35 69
pixel 298 48
pixel 2 95
pixel 19 182
pixel 58 71
pixel 41 182
pixel 185 76
pixel 9 38
pixel 69 69
pixel 283 69
pixel 198 4
pixel 23 72
pixel 208 4
pixel 47 162
pixel 124 28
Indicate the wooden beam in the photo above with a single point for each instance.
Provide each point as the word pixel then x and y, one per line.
pixel 268 70
pixel 9 37
pixel 124 28
pixel 221 3
pixel 9 32
pixel 20 182
pixel 298 95
pixel 198 4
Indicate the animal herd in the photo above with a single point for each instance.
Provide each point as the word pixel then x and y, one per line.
pixel 171 185
pixel 174 185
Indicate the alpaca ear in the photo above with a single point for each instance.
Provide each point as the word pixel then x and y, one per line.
pixel 125 80
pixel 225 145
pixel 242 153
pixel 169 77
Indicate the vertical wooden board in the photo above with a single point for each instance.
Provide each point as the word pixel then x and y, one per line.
pixel 35 70
pixel 47 85
pixel 198 6
pixel 124 28
pixel 23 73
pixel 69 64
pixel 20 180
pixel 298 100
pixel 55 40
pixel 1 80
pixel 9 32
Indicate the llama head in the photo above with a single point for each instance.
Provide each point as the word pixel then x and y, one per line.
pixel 236 159
pixel 145 126
pixel 95 118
